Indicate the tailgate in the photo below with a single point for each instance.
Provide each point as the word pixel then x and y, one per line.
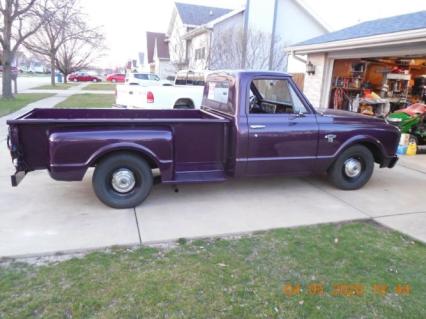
pixel 16 154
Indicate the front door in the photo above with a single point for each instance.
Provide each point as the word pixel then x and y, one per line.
pixel 283 131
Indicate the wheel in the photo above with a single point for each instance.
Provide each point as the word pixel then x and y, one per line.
pixel 75 80
pixel 122 180
pixel 353 168
pixel 184 104
pixel 113 80
pixel 94 80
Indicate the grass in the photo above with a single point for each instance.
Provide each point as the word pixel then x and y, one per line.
pixel 8 106
pixel 88 100
pixel 100 87
pixel 239 278
pixel 58 86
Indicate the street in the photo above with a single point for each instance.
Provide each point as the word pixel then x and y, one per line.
pixel 29 82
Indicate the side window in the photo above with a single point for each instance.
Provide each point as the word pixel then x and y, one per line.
pixel 154 77
pixel 271 96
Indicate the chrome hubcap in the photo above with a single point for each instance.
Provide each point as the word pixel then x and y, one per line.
pixel 353 167
pixel 123 180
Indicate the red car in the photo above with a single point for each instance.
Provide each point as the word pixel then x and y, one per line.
pixel 116 78
pixel 83 77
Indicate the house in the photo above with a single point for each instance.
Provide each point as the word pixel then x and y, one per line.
pixel 385 56
pixel 157 55
pixel 185 18
pixel 286 22
pixel 214 38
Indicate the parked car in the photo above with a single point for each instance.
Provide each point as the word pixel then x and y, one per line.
pixel 144 79
pixel 83 77
pixel 116 78
pixel 251 124
pixel 14 69
pixel 186 93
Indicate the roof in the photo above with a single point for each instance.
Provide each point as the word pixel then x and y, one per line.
pixel 405 22
pixel 159 39
pixel 195 15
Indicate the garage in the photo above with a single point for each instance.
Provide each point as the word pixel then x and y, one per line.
pixel 376 68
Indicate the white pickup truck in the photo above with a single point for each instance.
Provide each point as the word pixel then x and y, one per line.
pixel 185 93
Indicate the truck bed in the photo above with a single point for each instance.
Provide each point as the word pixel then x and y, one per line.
pixel 68 141
pixel 113 115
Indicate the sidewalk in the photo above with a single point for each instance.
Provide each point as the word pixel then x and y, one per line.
pixel 60 96
pixel 43 216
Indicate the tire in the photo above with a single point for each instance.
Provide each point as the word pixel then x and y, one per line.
pixel 184 104
pixel 75 80
pixel 352 169
pixel 113 80
pixel 117 164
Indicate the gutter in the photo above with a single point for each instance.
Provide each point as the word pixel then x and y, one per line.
pixel 411 36
pixel 298 58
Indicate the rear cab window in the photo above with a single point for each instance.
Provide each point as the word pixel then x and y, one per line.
pixel 218 94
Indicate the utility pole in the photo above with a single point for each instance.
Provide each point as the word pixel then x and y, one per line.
pixel 245 35
pixel 271 50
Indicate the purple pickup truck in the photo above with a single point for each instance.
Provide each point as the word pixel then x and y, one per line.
pixel 251 124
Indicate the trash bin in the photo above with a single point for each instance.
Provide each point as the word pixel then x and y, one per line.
pixel 59 77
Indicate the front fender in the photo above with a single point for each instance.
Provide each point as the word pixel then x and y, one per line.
pixel 362 139
pixel 72 152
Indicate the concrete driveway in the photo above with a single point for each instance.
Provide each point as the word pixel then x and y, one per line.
pixel 42 216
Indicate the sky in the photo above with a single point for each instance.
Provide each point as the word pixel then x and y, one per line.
pixel 125 22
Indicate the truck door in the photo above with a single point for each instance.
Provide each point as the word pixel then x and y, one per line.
pixel 283 131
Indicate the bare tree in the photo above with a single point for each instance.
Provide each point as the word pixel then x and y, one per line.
pixel 178 49
pixel 79 52
pixel 19 20
pixel 227 50
pixel 60 28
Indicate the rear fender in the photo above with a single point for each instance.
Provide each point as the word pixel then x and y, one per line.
pixel 72 153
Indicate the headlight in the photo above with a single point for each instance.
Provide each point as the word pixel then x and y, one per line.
pixel 394 119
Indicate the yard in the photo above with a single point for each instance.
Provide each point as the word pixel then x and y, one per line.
pixel 9 106
pixel 58 86
pixel 351 270
pixel 88 100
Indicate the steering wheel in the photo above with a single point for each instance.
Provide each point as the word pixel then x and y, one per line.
pixel 253 102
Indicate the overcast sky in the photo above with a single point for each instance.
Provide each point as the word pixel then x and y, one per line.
pixel 126 21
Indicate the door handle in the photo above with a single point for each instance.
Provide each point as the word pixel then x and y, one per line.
pixel 257 126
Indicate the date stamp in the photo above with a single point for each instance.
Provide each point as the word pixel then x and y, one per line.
pixel 345 289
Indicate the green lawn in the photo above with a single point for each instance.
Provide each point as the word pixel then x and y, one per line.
pixel 58 86
pixel 88 100
pixel 100 86
pixel 247 277
pixel 9 106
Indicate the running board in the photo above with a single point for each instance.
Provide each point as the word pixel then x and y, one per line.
pixel 200 177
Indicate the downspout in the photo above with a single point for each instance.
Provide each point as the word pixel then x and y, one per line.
pixel 298 58
pixel 271 49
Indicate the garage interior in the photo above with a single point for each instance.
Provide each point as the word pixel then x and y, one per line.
pixel 377 86
pixel 382 87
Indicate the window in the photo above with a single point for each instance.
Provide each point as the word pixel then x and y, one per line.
pixel 200 54
pixel 154 77
pixel 218 91
pixel 270 96
pixel 141 76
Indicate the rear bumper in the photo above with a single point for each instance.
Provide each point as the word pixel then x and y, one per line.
pixel 390 162
pixel 17 178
